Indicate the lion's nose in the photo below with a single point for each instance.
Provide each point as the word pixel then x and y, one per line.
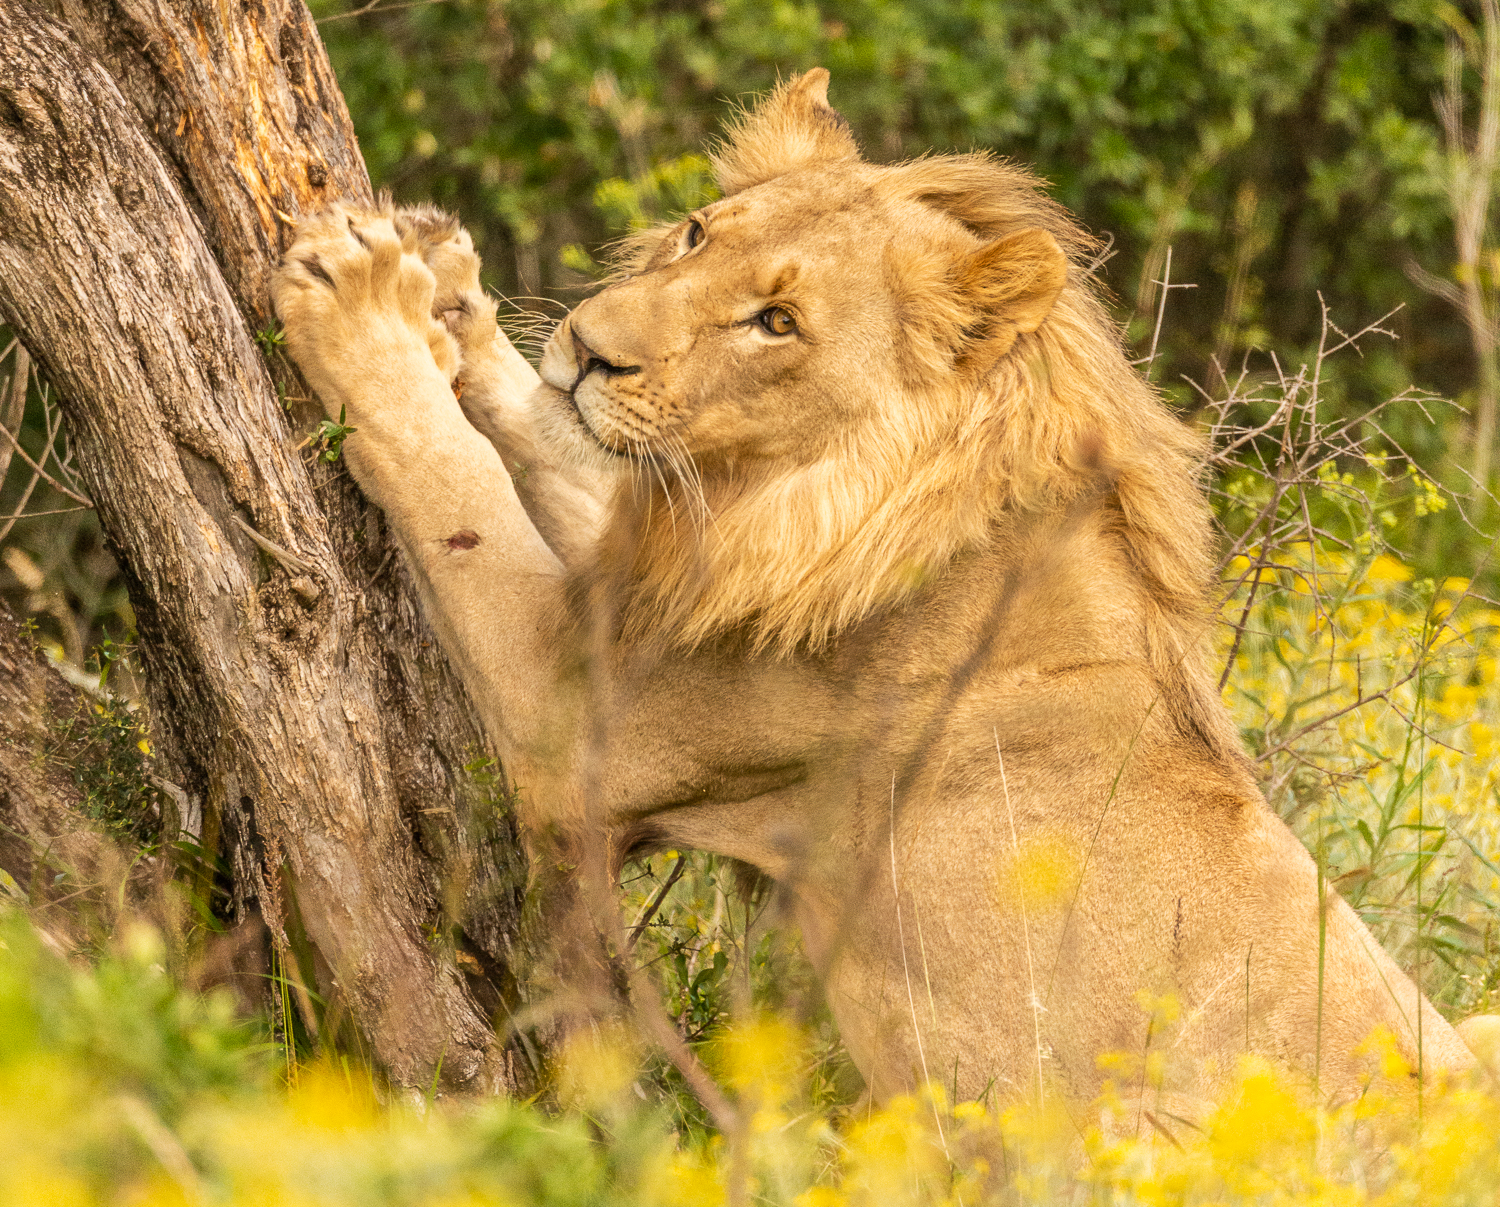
pixel 588 360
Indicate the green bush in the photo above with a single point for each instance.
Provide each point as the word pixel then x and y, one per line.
pixel 1279 147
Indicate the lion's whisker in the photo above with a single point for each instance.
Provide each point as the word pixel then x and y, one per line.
pixel 682 474
pixel 693 482
pixel 661 479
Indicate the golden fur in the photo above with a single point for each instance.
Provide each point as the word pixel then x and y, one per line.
pixel 839 536
pixel 800 552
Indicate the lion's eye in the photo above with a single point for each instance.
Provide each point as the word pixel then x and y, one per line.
pixel 778 320
pixel 694 235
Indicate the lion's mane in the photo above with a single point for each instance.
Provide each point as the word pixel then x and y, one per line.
pixel 792 556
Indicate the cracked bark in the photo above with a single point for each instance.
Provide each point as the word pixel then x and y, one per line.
pixel 153 154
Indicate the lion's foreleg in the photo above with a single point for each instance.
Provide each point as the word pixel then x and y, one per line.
pixel 358 316
pixel 564 496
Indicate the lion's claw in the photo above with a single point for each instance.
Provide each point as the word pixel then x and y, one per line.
pixel 459 302
pixel 349 291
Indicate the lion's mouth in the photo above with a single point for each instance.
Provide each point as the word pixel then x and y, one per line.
pixel 586 363
pixel 588 429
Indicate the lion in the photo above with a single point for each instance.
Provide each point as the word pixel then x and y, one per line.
pixel 838 535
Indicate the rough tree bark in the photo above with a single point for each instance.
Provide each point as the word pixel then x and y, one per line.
pixel 153 155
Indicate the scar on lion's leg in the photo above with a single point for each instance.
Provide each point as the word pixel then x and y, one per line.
pixel 463 540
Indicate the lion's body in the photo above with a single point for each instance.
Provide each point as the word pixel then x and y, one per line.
pixel 902 605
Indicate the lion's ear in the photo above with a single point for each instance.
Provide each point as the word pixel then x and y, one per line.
pixel 794 127
pixel 1010 286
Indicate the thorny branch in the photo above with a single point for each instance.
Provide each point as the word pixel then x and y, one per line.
pixel 1267 427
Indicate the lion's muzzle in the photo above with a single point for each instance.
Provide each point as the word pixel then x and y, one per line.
pixel 589 360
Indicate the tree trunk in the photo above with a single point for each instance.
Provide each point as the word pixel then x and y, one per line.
pixel 153 156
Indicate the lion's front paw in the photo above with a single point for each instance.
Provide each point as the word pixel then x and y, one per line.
pixel 459 301
pixel 352 299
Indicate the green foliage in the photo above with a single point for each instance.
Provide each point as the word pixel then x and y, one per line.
pixel 108 747
pixel 1279 147
pixel 718 948
pixel 122 1025
pixel 117 1085
pixel 327 439
pixel 271 338
pixel 671 188
pixel 1370 701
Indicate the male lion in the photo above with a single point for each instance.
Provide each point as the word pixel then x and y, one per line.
pixel 840 537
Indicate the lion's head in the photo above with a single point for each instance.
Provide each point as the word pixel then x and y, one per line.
pixel 824 386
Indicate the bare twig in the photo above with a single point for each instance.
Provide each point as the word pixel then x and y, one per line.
pixel 655 903
pixel 61 487
pixel 52 426
pixel 1161 311
pixel 653 1018
pixel 288 559
pixel 1384 693
pixel 13 401
pixel 1293 451
pixel 13 395
pixel 377 6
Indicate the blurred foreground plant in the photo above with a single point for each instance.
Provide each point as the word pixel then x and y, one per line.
pixel 118 1087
